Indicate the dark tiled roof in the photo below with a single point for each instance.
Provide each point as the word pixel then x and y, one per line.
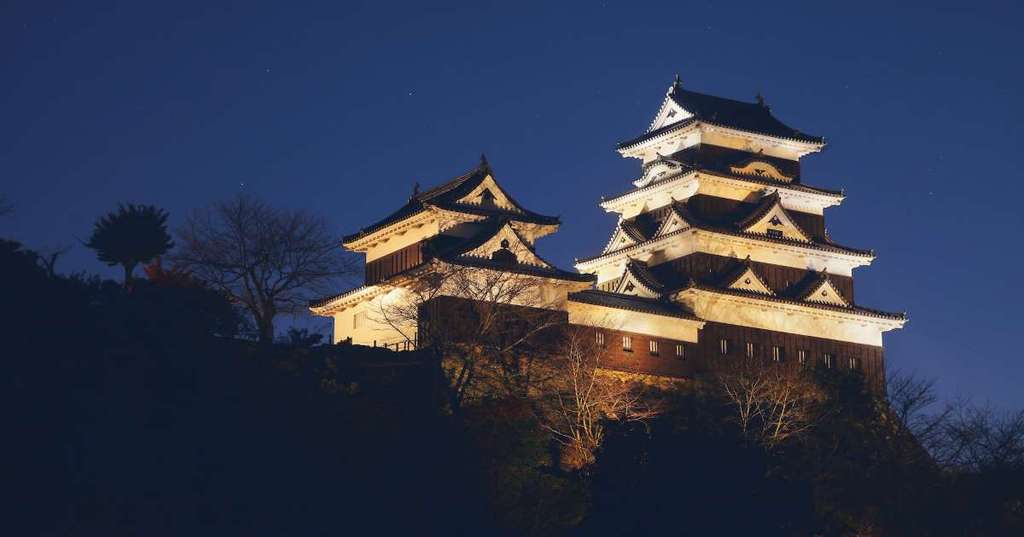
pixel 487 229
pixel 730 277
pixel 323 301
pixel 643 275
pixel 764 205
pixel 696 221
pixel 632 303
pixel 717 158
pixel 519 268
pixel 767 181
pixel 811 283
pixel 786 300
pixel 751 117
pixel 446 196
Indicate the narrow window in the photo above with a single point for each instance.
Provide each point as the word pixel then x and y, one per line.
pixel 854 363
pixel 829 359
pixel 723 345
pixel 750 350
pixel 801 356
pixel 778 353
pixel 600 339
pixel 775 233
pixel 652 346
pixel 627 343
pixel 679 350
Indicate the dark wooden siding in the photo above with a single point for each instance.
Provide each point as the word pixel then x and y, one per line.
pixel 871 358
pixel 402 259
pixel 724 211
pixel 700 357
pixel 640 359
pixel 452 319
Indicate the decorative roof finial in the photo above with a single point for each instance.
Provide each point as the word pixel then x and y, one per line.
pixel 415 189
pixel 677 83
pixel 483 161
pixel 760 100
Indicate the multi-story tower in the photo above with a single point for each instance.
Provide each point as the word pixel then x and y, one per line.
pixel 467 224
pixel 720 226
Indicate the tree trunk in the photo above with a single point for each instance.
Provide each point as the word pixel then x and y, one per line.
pixel 265 326
pixel 128 269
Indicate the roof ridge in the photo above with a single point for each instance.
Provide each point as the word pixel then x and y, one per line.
pixel 852 308
pixel 730 278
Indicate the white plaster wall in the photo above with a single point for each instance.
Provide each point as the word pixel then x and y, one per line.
pixel 631 321
pixel 402 239
pixel 782 318
pixel 372 327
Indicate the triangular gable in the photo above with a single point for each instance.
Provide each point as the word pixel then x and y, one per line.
pixel 748 280
pixel 673 222
pixel 656 170
pixel 761 168
pixel 620 239
pixel 631 284
pixel 504 242
pixel 774 222
pixel 489 191
pixel 824 292
pixel 669 113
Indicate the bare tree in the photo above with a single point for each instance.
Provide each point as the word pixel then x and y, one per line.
pixel 772 403
pixel 910 400
pixel 487 327
pixel 979 439
pixel 577 402
pixel 48 259
pixel 271 261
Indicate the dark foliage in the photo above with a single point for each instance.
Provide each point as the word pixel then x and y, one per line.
pixel 135 414
pixel 133 418
pixel 131 235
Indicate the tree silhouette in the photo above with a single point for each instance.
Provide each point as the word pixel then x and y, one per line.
pixel 133 234
pixel 268 260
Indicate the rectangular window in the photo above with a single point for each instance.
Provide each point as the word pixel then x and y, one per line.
pixel 652 346
pixel 358 320
pixel 750 350
pixel 801 356
pixel 599 337
pixel 854 363
pixel 775 233
pixel 679 350
pixel 627 343
pixel 829 359
pixel 723 345
pixel 778 353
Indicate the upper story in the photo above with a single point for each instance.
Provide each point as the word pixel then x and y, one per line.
pixel 721 177
pixel 687 118
pixel 470 218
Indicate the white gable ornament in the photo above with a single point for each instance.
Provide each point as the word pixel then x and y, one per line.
pixel 507 240
pixel 826 293
pixel 748 280
pixel 760 168
pixel 777 223
pixel 488 192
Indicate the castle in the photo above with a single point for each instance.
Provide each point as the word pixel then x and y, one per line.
pixel 719 249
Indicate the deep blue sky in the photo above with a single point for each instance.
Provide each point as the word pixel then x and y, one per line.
pixel 340 108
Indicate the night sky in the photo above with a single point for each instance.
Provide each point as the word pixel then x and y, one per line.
pixel 341 108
